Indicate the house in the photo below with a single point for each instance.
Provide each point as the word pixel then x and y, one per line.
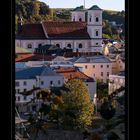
pixel 118 62
pixel 99 67
pixel 60 61
pixel 116 82
pixel 73 72
pixel 82 34
pixel 31 78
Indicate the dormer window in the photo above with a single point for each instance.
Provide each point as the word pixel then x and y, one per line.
pixel 97 19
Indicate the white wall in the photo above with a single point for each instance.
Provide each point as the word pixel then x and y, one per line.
pixel 77 15
pixel 48 79
pixel 92 31
pixel 92 88
pixel 32 82
pixel 96 72
pixel 35 43
pixel 93 14
pixel 116 82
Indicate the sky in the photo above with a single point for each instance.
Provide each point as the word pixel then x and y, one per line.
pixel 117 5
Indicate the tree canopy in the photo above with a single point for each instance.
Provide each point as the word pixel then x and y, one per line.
pixel 78 109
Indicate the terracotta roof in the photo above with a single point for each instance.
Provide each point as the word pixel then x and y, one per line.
pixel 71 72
pixel 68 30
pixel 31 31
pixel 22 57
pixel 34 57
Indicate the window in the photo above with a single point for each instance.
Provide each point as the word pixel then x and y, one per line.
pixel 69 45
pixel 80 19
pixel 34 108
pixel 85 66
pixel 29 46
pixel 97 19
pixel 59 82
pixel 86 84
pixel 73 19
pixel 93 66
pixel 58 45
pixel 101 73
pixel 42 82
pixel 18 98
pixel 39 45
pixel 96 43
pixel 24 83
pixel 90 19
pixel 107 73
pixel 25 90
pixel 17 84
pixel 51 82
pixel 107 66
pixel 101 66
pixel 80 45
pixel 25 97
pixel 18 90
pixel 96 33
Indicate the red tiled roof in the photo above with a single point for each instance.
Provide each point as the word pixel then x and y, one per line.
pixel 66 29
pixel 32 31
pixel 22 57
pixel 33 57
pixel 70 73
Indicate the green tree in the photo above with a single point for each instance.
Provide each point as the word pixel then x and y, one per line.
pixel 107 109
pixel 78 109
pixel 36 8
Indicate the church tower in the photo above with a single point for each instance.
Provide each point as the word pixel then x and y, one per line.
pixel 78 14
pixel 94 27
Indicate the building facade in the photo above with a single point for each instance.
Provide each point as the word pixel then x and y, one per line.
pixel 82 34
pixel 99 67
pixel 34 77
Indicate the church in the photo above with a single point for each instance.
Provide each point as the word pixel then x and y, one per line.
pixel 82 34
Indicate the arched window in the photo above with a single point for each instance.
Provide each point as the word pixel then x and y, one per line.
pixel 29 46
pixel 69 45
pixel 58 45
pixel 80 19
pixel 90 19
pixel 97 33
pixel 80 45
pixel 97 19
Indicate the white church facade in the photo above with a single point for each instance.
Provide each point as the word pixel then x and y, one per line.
pixel 82 34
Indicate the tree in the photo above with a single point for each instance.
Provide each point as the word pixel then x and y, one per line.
pixel 107 109
pixel 36 8
pixel 78 109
